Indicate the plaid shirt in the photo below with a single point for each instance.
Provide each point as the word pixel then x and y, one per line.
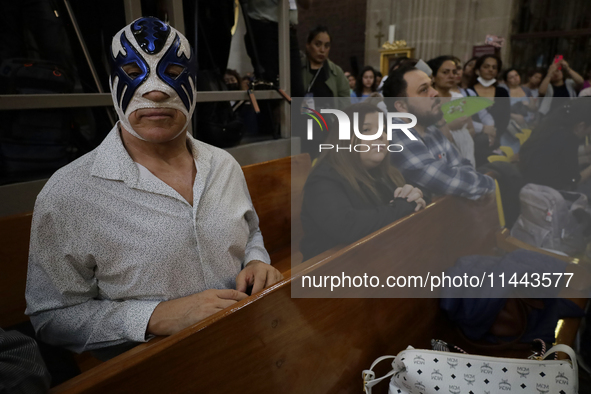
pixel 434 163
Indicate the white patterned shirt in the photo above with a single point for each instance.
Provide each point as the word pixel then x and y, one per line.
pixel 108 244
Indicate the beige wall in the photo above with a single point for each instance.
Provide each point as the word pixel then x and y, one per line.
pixel 438 27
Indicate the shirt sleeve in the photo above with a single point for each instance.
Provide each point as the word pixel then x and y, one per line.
pixel 453 175
pixel 63 296
pixel 22 369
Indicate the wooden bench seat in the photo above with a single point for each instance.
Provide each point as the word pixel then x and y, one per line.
pixel 276 190
pixel 271 342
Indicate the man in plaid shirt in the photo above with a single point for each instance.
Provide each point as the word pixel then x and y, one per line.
pixel 431 161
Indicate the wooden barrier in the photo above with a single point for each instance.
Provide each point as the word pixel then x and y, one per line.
pixel 272 342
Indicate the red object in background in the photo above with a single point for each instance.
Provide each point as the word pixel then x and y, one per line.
pixel 481 50
pixel 558 58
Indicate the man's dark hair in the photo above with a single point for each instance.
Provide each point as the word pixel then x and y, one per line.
pixel 395 85
pixel 534 71
pixel 436 63
pixel 317 30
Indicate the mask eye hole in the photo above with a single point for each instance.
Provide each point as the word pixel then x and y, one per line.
pixel 132 70
pixel 173 71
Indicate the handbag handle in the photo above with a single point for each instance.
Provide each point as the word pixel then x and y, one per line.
pixel 369 377
pixel 573 358
pixel 370 380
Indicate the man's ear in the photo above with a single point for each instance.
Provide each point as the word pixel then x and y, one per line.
pixel 401 106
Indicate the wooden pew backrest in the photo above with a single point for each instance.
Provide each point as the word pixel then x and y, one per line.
pixel 14 235
pixel 272 186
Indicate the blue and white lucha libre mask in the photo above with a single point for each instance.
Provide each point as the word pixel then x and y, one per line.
pixel 153 46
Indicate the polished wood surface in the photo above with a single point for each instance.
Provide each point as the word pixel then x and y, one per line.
pixel 272 185
pixel 14 253
pixel 430 240
pixel 272 342
pixel 300 169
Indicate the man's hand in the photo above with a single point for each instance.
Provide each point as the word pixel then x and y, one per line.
pixel 258 275
pixel 172 316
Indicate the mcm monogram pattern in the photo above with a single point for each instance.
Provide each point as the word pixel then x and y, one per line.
pixel 422 373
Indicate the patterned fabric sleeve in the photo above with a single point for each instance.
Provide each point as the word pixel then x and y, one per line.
pixel 452 176
pixel 22 369
pixel 63 295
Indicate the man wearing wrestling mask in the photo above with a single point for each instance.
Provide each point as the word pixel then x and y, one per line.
pixel 153 230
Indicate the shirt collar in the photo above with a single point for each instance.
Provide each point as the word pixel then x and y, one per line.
pixel 113 162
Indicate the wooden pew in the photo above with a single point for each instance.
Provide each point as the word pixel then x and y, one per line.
pixel 14 253
pixel 273 186
pixel 306 345
pixel 271 190
pixel 271 342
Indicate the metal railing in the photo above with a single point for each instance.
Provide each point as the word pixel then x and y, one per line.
pixel 20 197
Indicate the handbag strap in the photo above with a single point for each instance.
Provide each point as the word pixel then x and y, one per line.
pixel 369 376
pixel 573 358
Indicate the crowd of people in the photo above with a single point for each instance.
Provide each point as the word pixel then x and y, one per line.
pixel 448 157
pixel 154 230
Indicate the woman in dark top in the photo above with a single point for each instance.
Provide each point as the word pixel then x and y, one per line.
pixel 349 195
pixel 484 84
pixel 550 156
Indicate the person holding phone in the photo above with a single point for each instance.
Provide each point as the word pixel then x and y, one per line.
pixel 560 81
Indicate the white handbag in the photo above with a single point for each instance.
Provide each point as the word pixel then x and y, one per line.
pixel 417 371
